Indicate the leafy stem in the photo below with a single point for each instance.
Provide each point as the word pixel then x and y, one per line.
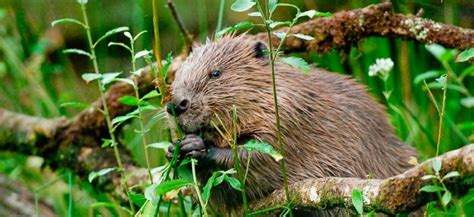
pixel 441 113
pixel 104 103
pixel 196 187
pixel 275 98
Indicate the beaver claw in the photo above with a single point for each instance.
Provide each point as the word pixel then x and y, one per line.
pixel 192 146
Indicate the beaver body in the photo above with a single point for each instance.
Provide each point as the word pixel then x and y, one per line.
pixel 331 126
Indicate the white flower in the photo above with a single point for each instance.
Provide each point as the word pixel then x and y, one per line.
pixel 381 67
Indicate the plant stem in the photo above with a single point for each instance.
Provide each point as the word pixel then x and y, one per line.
pixel 196 187
pixel 237 163
pixel 106 110
pixel 220 16
pixel 157 54
pixel 275 98
pixel 70 199
pixel 441 115
pixel 140 115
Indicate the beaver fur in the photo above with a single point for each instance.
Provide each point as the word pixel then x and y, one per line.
pixel 330 124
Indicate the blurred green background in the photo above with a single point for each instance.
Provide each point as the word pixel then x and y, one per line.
pixel 36 77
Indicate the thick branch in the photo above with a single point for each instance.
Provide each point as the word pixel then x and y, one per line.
pixel 398 194
pixel 17 200
pixel 346 28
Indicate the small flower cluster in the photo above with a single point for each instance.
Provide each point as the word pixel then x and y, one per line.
pixel 381 67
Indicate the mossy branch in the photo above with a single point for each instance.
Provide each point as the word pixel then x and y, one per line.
pixel 346 28
pixel 398 194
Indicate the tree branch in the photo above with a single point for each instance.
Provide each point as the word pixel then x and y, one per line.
pixel 188 38
pixel 346 28
pixel 398 194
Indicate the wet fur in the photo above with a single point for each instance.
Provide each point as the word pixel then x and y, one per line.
pixel 331 125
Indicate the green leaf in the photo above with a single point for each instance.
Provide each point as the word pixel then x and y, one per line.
pixel 262 147
pixel 99 173
pixel 129 100
pixel 468 102
pixel 469 71
pixel 255 14
pixel 149 193
pixel 67 20
pixel 280 35
pixel 312 13
pixel 427 75
pixel 142 131
pixel 142 54
pixel 296 62
pixel 151 94
pixel 437 85
pixel 109 77
pixel 121 119
pixel 139 34
pixel 465 55
pixel 242 5
pixel 77 51
pixel 451 174
pixel 139 72
pixel 272 5
pixel 125 80
pixel 88 77
pixel 106 143
pixel 206 191
pixel 74 105
pixel 431 188
pixel 441 53
pixel 170 185
pixel 82 2
pixel 137 199
pixel 425 177
pixel 442 80
pixel 235 183
pixel 446 198
pixel 120 45
pixel 241 25
pixel 303 36
pixel 357 201
pixel 279 23
pixel 467 125
pixel 309 14
pixel 166 66
pixel 436 164
pixel 160 145
pixel 109 33
pixel 128 35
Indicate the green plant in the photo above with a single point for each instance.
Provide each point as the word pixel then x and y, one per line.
pixel 102 81
pixel 438 186
pixel 266 16
pixel 137 101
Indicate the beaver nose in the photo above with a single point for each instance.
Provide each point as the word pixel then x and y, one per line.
pixel 178 106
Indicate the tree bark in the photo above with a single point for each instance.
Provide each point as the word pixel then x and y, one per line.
pixel 398 194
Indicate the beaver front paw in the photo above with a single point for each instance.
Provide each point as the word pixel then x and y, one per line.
pixel 192 146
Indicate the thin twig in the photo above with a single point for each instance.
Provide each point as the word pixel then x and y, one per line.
pixel 188 38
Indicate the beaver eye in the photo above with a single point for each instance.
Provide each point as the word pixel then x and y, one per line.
pixel 215 73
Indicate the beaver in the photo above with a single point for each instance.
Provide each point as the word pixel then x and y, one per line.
pixel 331 126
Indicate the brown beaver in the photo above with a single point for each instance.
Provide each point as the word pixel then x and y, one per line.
pixel 331 126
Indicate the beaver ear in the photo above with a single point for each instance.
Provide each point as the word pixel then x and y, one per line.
pixel 260 50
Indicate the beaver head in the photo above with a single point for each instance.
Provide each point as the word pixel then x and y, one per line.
pixel 221 74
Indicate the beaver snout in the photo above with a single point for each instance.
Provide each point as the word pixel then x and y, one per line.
pixel 179 106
